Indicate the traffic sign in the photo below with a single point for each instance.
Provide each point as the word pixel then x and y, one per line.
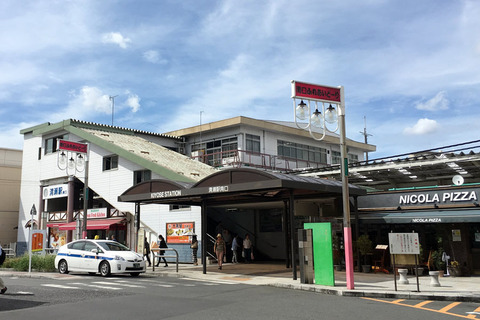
pixel 33 211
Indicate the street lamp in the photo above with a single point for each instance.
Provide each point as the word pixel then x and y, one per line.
pixel 318 126
pixel 73 158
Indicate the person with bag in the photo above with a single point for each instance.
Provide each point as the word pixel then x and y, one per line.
pixel 146 251
pixel 2 259
pixel 220 248
pixel 194 247
pixel 162 244
pixel 247 249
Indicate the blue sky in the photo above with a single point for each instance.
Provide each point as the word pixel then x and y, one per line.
pixel 412 68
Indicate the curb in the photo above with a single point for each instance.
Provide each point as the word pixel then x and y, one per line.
pixel 377 295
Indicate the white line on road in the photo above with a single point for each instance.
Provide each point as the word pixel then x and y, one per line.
pixel 59 286
pixel 95 286
pixel 119 284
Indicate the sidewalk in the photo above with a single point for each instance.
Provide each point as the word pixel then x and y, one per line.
pixel 371 285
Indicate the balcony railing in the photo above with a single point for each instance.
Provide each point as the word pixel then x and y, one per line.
pixel 242 158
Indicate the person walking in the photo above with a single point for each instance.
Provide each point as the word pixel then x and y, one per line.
pixel 162 244
pixel 247 248
pixel 220 249
pixel 194 246
pixel 2 259
pixel 235 247
pixel 146 251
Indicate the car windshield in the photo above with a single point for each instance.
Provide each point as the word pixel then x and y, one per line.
pixel 113 246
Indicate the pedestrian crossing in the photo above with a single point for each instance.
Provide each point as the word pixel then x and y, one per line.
pixel 114 284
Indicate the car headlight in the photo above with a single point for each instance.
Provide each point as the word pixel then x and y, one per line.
pixel 119 258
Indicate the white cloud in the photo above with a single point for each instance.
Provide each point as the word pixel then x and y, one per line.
pixel 133 102
pixel 116 38
pixel 423 126
pixel 153 56
pixel 439 102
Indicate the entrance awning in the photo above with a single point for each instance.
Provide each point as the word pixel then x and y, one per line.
pixel 419 217
pixel 55 224
pixel 98 224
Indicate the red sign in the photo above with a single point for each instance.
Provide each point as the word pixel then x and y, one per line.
pixel 315 92
pixel 72 146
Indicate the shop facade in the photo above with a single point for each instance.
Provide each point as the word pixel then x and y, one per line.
pixel 446 218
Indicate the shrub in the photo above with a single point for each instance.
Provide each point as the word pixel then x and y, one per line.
pixel 40 263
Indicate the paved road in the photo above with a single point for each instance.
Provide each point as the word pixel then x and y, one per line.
pixel 124 297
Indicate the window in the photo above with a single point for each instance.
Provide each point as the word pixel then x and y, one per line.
pixel 301 151
pixel 252 143
pixel 110 162
pixel 352 158
pixel 51 144
pixel 141 175
pixel 336 157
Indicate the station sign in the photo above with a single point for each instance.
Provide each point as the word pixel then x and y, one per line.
pixel 309 91
pixel 72 146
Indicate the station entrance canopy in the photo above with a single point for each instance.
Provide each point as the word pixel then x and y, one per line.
pixel 239 186
pixel 236 186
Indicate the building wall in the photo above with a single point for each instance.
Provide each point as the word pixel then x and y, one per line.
pixel 10 175
pixel 108 184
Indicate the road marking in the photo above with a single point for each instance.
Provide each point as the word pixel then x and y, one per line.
pixel 420 306
pixel 212 282
pixel 95 286
pixel 119 284
pixel 58 286
pixel 450 306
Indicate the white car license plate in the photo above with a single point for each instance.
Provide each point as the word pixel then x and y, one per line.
pixel 136 265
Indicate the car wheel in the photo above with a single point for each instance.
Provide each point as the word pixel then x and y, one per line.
pixel 63 267
pixel 134 274
pixel 105 269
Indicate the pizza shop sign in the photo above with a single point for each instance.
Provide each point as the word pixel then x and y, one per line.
pixel 445 197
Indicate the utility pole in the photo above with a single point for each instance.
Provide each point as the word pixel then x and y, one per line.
pixel 365 135
pixel 112 98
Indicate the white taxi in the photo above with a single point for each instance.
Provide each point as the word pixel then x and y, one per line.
pixel 103 256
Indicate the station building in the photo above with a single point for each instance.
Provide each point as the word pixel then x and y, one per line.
pixel 121 158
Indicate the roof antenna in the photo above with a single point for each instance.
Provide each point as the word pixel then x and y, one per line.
pixel 365 135
pixel 112 98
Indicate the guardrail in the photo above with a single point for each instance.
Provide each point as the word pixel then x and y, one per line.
pixel 156 255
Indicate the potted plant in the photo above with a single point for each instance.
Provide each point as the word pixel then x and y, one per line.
pixel 365 247
pixel 454 269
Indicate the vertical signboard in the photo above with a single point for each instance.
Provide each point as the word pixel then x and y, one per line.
pixel 322 253
pixel 404 243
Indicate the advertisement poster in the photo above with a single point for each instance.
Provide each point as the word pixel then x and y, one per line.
pixel 38 240
pixel 180 232
pixel 57 238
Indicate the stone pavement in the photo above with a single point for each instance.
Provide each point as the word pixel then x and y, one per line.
pixel 374 285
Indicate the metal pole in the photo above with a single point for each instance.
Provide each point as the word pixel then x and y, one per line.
pixel 293 244
pixel 204 236
pixel 347 229
pixel 85 196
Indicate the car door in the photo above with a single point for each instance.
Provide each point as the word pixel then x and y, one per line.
pixel 75 254
pixel 92 259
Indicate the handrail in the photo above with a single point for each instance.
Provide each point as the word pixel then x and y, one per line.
pixel 163 256
pixel 212 240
